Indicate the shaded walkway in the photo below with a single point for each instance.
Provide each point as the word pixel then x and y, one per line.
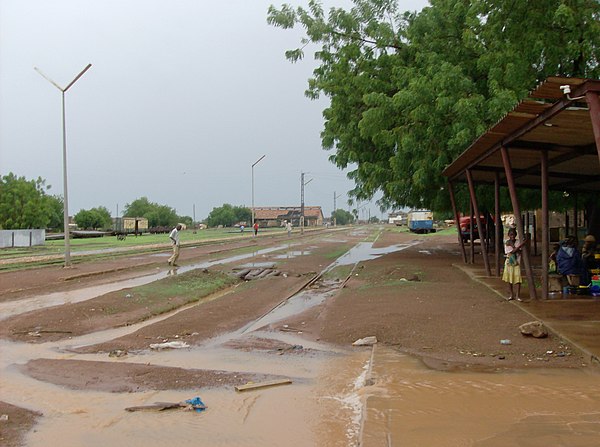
pixel 576 320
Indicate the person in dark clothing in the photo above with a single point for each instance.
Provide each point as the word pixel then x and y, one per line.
pixel 568 258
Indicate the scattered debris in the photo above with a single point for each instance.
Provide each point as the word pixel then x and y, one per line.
pixel 290 348
pixel 195 404
pixel 4 418
pixel 118 353
pixel 248 274
pixel 286 328
pixel 505 341
pixel 39 332
pixel 254 386
pixel 169 345
pixel 534 328
pixel 367 341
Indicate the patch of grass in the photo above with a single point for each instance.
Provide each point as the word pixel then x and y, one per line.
pixel 340 272
pixel 372 237
pixel 171 293
pixel 339 251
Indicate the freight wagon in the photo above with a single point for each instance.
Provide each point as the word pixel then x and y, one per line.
pixel 131 225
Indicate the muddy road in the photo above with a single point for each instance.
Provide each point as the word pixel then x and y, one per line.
pixel 79 347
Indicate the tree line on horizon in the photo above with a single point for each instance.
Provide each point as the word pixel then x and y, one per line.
pixel 26 204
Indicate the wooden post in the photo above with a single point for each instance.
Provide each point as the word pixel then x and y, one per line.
pixel 498 222
pixel 486 261
pixel 535 241
pixel 575 218
pixel 593 101
pixel 472 237
pixel 545 224
pixel 457 220
pixel 517 212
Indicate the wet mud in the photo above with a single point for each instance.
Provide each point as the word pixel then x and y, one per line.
pixel 300 327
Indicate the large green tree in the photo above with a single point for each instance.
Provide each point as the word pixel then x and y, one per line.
pixel 157 215
pixel 342 217
pixel 95 219
pixel 24 203
pixel 228 215
pixel 410 91
pixel 55 212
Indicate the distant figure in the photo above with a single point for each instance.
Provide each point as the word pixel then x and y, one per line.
pixel 174 236
pixel 568 258
pixel 512 267
pixel 288 228
pixel 255 228
pixel 242 228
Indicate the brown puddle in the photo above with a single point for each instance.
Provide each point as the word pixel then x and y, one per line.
pixel 409 405
pixel 320 407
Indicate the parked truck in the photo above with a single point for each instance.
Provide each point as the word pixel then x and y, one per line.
pixel 420 221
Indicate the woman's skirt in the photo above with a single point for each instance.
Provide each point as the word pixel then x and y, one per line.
pixel 512 274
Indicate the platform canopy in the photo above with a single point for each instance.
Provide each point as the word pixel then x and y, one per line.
pixel 552 120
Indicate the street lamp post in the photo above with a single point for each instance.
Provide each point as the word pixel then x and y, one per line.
pixel 64 132
pixel 254 164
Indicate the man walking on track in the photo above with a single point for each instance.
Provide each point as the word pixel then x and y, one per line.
pixel 174 236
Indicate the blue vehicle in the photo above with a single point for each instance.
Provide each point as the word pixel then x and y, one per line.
pixel 420 221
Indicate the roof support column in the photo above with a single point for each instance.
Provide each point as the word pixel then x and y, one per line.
pixel 498 222
pixel 593 100
pixel 486 261
pixel 545 223
pixel 471 227
pixel 457 220
pixel 517 212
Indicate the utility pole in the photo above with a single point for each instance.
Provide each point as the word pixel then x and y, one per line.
pixel 254 164
pixel 302 185
pixel 301 202
pixel 335 207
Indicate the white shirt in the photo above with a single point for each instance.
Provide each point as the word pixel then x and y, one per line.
pixel 174 236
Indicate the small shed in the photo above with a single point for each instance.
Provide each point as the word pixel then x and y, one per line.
pixel 549 141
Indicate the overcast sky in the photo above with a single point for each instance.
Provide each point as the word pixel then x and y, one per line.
pixel 183 96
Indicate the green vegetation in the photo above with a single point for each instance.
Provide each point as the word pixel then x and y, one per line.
pixel 228 216
pixel 340 272
pixel 25 204
pixel 408 92
pixel 339 251
pixel 171 293
pixel 343 217
pixel 131 244
pixel 94 219
pixel 157 215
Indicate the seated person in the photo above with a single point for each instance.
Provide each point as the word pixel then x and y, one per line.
pixel 568 258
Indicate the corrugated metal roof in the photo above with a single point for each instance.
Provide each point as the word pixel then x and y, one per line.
pixel 546 121
pixel 276 212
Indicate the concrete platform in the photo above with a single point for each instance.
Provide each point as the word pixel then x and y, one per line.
pixel 576 320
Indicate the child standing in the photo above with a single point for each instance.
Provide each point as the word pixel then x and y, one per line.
pixel 512 267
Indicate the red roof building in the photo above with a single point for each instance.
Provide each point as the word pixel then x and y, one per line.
pixel 276 216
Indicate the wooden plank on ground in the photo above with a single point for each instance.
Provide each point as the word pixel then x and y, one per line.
pixel 254 386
